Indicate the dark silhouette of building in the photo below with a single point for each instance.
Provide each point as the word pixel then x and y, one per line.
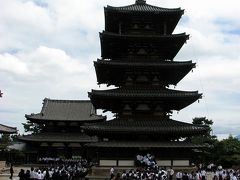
pixel 137 57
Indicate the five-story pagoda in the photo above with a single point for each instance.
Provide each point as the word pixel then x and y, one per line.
pixel 137 50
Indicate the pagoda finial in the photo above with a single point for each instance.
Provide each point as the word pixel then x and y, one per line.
pixel 140 2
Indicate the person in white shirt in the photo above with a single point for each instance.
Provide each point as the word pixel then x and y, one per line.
pixel 171 173
pixel 32 174
pixel 203 174
pixel 198 175
pixel 111 171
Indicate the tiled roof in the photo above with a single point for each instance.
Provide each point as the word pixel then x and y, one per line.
pixel 153 92
pixel 143 7
pixel 66 110
pixel 7 129
pixel 163 64
pixel 58 137
pixel 145 36
pixel 147 126
pixel 114 72
pixel 135 144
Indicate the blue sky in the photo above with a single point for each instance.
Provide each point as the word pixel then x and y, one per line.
pixel 47 49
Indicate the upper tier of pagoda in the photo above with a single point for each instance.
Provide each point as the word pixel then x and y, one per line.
pixel 120 73
pixel 137 50
pixel 161 47
pixel 141 18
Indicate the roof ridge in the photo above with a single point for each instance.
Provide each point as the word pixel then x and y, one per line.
pixel 8 126
pixel 143 4
pixel 66 100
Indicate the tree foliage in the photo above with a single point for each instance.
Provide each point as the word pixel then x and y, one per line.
pixel 227 152
pixel 32 128
pixel 6 139
pixel 204 139
pixel 208 138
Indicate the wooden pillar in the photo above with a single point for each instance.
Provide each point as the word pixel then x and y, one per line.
pixel 165 28
pixel 120 28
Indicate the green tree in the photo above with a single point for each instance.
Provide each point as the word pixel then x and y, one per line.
pixel 33 128
pixel 228 152
pixel 208 138
pixel 4 140
pixel 207 154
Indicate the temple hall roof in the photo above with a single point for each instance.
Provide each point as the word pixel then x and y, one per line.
pixel 160 126
pixel 58 137
pixel 7 129
pixel 66 110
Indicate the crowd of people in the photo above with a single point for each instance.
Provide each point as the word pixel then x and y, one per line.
pixel 57 169
pixel 146 160
pixel 147 169
pixel 163 174
pixel 202 174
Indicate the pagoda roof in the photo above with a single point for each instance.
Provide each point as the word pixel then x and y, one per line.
pixel 143 7
pixel 160 126
pixel 7 129
pixel 169 99
pixel 145 92
pixel 113 72
pixel 66 110
pixel 58 137
pixel 136 144
pixel 145 36
pixel 112 42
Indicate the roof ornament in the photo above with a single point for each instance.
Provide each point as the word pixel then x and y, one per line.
pixel 140 2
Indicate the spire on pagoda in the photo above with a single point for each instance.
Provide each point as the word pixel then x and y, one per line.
pixel 140 2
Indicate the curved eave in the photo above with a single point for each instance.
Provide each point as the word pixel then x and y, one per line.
pixel 129 144
pixel 7 129
pixel 173 100
pixel 106 34
pixel 144 93
pixel 40 118
pixel 58 137
pixel 116 45
pixel 114 73
pixel 158 127
pixel 134 8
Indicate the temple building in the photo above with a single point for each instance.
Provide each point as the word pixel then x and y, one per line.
pixel 60 133
pixel 137 57
pixel 7 129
